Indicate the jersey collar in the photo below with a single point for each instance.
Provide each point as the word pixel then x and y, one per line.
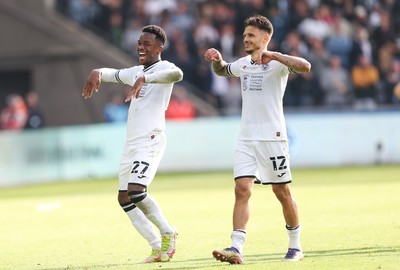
pixel 151 66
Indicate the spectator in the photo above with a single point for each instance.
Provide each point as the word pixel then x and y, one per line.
pixel 391 79
pixel 365 78
pixel 279 20
pixel 179 54
pixel 35 115
pixel 116 29
pixel 302 89
pixel 219 89
pixel 205 32
pixel 315 26
pixel 182 19
pixel 318 56
pixel 115 110
pixel 299 11
pixel 233 99
pixel 83 11
pixel 227 42
pixel 384 32
pixel 15 114
pixel 293 42
pixel 131 36
pixel 339 44
pixel 396 94
pixel 154 8
pixel 361 45
pixel 336 84
pixel 180 106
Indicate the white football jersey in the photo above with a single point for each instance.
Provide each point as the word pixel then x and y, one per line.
pixel 147 112
pixel 263 87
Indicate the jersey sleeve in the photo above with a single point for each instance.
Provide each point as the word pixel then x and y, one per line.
pixel 171 74
pixel 233 69
pixel 285 70
pixel 122 76
pixel 127 75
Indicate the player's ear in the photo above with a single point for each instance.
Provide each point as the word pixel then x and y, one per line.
pixel 266 38
pixel 161 49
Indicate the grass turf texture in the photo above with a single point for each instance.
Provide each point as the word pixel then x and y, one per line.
pixel 350 218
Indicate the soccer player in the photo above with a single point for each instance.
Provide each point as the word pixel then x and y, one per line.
pixel 152 82
pixel 262 153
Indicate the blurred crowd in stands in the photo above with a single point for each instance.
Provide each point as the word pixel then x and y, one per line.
pixel 21 113
pixel 353 45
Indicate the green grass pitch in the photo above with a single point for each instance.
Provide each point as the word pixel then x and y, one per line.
pixel 350 218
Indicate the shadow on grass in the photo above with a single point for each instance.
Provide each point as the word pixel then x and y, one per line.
pixel 374 251
pixel 209 262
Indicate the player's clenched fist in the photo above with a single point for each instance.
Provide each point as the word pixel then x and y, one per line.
pixel 213 55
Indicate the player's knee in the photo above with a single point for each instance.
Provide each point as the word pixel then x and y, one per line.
pixel 242 192
pixel 123 198
pixel 137 196
pixel 282 192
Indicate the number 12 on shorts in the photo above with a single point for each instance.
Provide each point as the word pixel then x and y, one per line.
pixel 281 160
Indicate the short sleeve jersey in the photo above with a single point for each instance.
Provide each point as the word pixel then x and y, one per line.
pixel 263 87
pixel 147 112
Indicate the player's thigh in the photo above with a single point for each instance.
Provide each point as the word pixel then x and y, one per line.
pixel 139 164
pixel 273 161
pixel 244 163
pixel 125 167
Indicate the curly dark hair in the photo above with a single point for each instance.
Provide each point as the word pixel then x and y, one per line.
pixel 157 31
pixel 260 22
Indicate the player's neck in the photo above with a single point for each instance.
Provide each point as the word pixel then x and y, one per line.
pixel 255 56
pixel 152 63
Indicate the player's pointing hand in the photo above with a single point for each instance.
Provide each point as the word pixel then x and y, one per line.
pixel 137 86
pixel 92 83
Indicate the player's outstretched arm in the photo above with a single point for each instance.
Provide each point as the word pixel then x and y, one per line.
pixel 295 63
pixel 92 83
pixel 167 76
pixel 218 64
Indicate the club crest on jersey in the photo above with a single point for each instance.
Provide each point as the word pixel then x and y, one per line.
pixel 264 67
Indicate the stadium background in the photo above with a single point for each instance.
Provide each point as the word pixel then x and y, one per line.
pixel 50 46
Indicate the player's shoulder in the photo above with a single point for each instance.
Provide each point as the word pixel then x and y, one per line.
pixel 239 64
pixel 134 69
pixel 165 64
pixel 245 60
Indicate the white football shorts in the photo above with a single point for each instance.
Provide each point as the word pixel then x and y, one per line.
pixel 139 162
pixel 267 161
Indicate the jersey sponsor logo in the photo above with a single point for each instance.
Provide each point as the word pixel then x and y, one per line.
pixel 256 82
pixel 245 82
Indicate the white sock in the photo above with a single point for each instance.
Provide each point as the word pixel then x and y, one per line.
pixel 238 239
pixel 153 212
pixel 294 237
pixel 145 228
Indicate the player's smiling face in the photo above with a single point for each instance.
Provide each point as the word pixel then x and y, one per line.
pixel 149 49
pixel 253 39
